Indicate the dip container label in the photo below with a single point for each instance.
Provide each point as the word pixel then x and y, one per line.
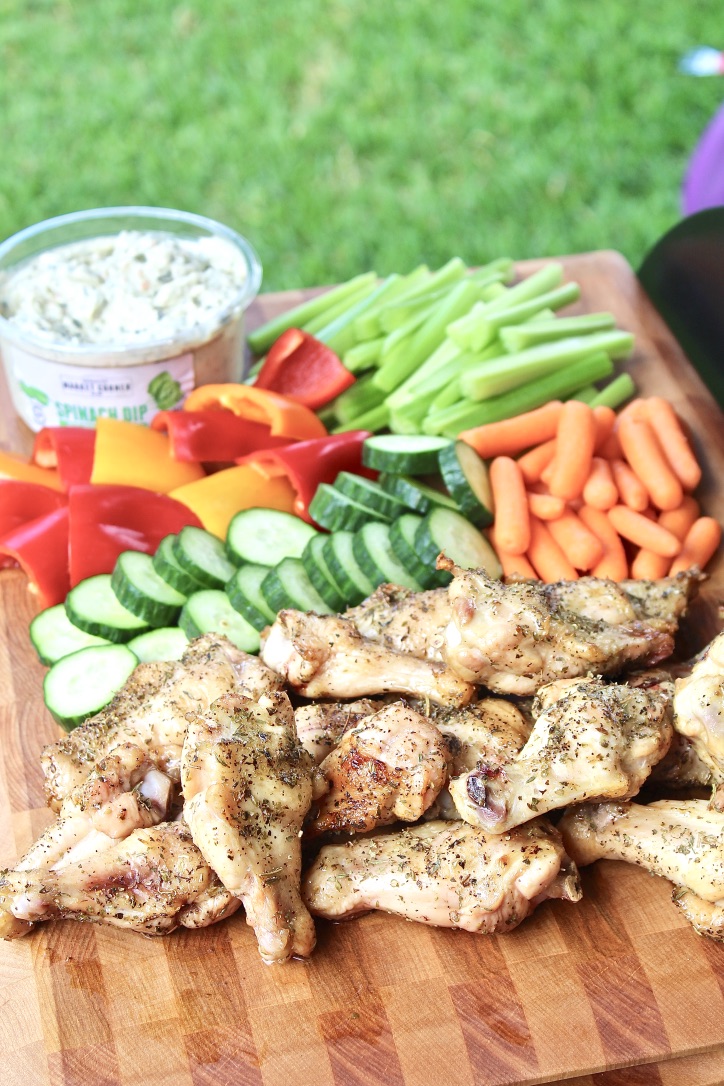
pixel 47 393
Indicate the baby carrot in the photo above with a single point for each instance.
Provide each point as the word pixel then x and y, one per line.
pixel 513 435
pixel 632 491
pixel 611 448
pixel 672 439
pixel 600 490
pixel 512 520
pixel 534 463
pixel 546 557
pixel 613 564
pixel 579 544
pixel 643 452
pixel 514 565
pixel 575 442
pixel 545 506
pixel 648 566
pixel 644 532
pixel 700 544
pixel 605 419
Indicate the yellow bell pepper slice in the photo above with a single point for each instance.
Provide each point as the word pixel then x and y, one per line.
pixel 12 467
pixel 216 498
pixel 133 455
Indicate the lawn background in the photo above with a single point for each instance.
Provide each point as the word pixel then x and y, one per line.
pixel 343 135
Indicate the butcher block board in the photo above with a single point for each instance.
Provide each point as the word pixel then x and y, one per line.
pixel 578 992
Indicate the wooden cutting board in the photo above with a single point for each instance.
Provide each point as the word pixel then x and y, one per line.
pixel 617 981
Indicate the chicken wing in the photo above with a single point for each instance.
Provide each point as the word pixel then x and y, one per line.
pixel 447 874
pixel 591 740
pixel 515 638
pixel 321 725
pixel 681 840
pixel 699 712
pixel 404 621
pixel 152 881
pixel 323 656
pixel 150 711
pixel 391 766
pixel 248 785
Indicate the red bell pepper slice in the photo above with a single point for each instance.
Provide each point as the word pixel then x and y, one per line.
pixel 107 519
pixel 40 548
pixel 303 368
pixel 67 448
pixel 214 436
pixel 309 463
pixel 21 502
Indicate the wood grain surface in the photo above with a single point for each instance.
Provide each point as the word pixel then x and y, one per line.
pixel 615 990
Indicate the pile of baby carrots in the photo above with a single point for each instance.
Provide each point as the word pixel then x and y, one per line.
pixel 595 493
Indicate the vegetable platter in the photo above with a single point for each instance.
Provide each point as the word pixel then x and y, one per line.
pixel 621 983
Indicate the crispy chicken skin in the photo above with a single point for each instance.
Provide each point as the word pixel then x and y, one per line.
pixel 447 874
pixel 682 840
pixel 590 741
pixel 149 882
pixel 699 712
pixel 323 656
pixel 150 711
pixel 403 620
pixel 321 725
pixel 391 766
pixel 248 785
pixel 515 638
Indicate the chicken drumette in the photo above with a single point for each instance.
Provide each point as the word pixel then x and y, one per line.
pixel 699 712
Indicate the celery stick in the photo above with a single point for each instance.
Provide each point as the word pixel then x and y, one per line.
pixel 401 334
pixel 519 337
pixel 495 290
pixel 447 396
pixel 361 397
pixel 375 419
pixel 540 282
pixel 363 355
pixel 440 357
pixel 367 325
pixel 392 373
pixel 622 388
pixel 316 324
pixel 585 395
pixel 502 266
pixel 553 386
pixel 394 316
pixel 261 339
pixel 501 374
pixel 483 329
pixel 409 419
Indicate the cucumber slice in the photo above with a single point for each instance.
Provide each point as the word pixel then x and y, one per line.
pixel 93 607
pixel 370 494
pixel 244 592
pixel 372 549
pixel 402 541
pixel 403 454
pixel 414 494
pixel 54 636
pixel 266 536
pixel 210 611
pixel 466 477
pixel 166 566
pixel 165 643
pixel 334 510
pixel 83 683
pixel 320 574
pixel 288 585
pixel 203 556
pixel 143 592
pixel 453 535
pixel 354 583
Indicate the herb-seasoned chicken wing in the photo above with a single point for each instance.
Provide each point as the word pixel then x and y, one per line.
pixel 321 725
pixel 248 785
pixel 699 712
pixel 447 874
pixel 403 620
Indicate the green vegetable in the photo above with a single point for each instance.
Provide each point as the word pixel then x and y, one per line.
pixel 261 339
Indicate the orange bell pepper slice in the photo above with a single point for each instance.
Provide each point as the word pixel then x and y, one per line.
pixel 216 498
pixel 287 418
pixel 12 467
pixel 129 454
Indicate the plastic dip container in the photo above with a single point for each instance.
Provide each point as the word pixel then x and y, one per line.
pixel 125 325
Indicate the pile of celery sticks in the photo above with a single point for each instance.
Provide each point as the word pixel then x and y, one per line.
pixel 440 352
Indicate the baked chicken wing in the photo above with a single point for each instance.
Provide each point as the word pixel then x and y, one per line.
pixel 699 712
pixel 321 725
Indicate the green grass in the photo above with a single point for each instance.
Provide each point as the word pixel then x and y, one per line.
pixel 341 135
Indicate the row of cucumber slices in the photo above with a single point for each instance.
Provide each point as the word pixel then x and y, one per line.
pixel 150 606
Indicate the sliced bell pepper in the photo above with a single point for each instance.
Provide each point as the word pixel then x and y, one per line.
pixel 285 417
pixel 214 436
pixel 13 467
pixel 105 520
pixel 67 448
pixel 40 548
pixel 22 502
pixel 128 454
pixel 218 497
pixel 309 463
pixel 305 369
